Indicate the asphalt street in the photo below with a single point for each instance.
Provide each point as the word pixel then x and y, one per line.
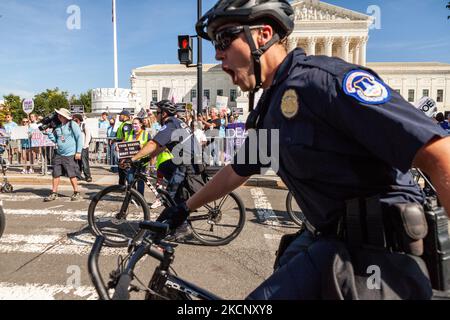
pixel 44 250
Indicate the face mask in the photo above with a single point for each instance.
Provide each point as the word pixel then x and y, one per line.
pixel 136 128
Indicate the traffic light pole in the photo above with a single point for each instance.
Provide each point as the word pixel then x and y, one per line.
pixel 199 64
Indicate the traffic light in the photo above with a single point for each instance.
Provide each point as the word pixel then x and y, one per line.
pixel 185 50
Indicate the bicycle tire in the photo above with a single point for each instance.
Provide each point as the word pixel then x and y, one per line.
pixel 296 216
pixel 205 236
pixel 2 221
pixel 117 233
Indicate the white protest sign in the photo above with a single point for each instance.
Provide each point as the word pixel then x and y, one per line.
pixel 28 106
pixel 19 133
pixel 428 106
pixel 221 102
pixel 167 93
pixel 92 126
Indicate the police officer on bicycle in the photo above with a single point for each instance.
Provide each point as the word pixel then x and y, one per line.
pixel 346 144
pixel 175 137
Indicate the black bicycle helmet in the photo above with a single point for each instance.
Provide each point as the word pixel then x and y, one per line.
pixel 245 12
pixel 168 107
pixel 278 13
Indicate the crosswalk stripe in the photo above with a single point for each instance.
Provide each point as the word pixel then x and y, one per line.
pixel 34 291
pixel 265 213
pixel 52 244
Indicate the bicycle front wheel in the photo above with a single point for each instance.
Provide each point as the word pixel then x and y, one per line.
pixel 219 222
pixel 115 213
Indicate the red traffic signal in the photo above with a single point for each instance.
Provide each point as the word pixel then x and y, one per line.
pixel 185 49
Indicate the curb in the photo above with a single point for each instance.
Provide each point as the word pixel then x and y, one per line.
pixel 108 180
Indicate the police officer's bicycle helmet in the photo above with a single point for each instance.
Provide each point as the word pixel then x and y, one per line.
pixel 278 13
pixel 168 107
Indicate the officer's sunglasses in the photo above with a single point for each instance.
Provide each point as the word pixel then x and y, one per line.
pixel 223 39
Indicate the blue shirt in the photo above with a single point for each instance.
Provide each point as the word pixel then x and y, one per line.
pixel 342 134
pixel 9 127
pixel 103 124
pixel 68 138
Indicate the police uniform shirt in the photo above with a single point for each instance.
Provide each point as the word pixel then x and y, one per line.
pixel 344 134
pixel 175 132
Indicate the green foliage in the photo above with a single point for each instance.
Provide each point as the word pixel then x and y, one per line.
pixel 45 103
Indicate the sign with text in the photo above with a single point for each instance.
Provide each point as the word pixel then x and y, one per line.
pixel 38 139
pixel 77 109
pixel 28 106
pixel 238 111
pixel 221 102
pixel 167 93
pixel 128 149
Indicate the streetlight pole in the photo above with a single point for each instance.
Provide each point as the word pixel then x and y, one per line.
pixel 116 72
pixel 199 64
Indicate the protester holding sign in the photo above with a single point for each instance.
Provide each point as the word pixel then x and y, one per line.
pixel 137 134
pixel 27 157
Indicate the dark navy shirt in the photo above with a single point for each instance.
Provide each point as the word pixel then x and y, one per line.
pixel 178 138
pixel 351 136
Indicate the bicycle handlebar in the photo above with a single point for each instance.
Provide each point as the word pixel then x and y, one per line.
pixel 94 273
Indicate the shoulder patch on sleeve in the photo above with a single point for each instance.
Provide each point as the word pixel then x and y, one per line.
pixel 366 88
pixel 163 128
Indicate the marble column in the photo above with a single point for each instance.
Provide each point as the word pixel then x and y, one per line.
pixel 345 49
pixel 292 44
pixel 329 46
pixel 363 51
pixel 357 51
pixel 312 46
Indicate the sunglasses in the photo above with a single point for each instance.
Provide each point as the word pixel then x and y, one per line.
pixel 225 37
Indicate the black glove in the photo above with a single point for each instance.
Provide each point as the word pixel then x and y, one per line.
pixel 174 216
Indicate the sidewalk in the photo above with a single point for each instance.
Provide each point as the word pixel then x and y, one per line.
pixel 105 178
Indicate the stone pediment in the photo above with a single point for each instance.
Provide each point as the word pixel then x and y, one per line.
pixel 315 10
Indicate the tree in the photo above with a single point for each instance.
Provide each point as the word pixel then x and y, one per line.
pixel 84 99
pixel 13 105
pixel 46 102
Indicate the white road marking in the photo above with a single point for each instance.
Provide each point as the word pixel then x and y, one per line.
pixel 266 215
pixel 264 211
pixel 18 197
pixel 53 244
pixel 34 291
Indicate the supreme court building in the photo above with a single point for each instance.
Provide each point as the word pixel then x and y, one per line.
pixel 320 29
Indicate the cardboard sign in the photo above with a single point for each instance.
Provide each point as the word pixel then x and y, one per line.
pixel 221 102
pixel 38 139
pixel 28 106
pixel 77 109
pixel 238 111
pixel 20 133
pixel 128 149
pixel 167 93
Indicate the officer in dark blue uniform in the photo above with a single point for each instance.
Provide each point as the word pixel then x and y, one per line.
pixel 176 136
pixel 346 144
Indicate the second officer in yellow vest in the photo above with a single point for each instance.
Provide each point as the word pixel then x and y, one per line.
pixel 137 134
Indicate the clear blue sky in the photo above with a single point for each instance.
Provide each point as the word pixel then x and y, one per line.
pixel 38 51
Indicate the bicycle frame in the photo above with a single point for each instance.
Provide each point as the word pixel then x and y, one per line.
pixel 160 278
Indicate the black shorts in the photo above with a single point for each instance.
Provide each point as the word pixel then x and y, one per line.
pixel 65 166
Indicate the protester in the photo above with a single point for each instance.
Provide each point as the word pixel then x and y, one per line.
pixel 69 140
pixel 27 158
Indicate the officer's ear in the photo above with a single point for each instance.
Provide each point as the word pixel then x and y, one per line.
pixel 264 35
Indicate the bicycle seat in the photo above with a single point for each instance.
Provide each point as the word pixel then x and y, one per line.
pixel 156 227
